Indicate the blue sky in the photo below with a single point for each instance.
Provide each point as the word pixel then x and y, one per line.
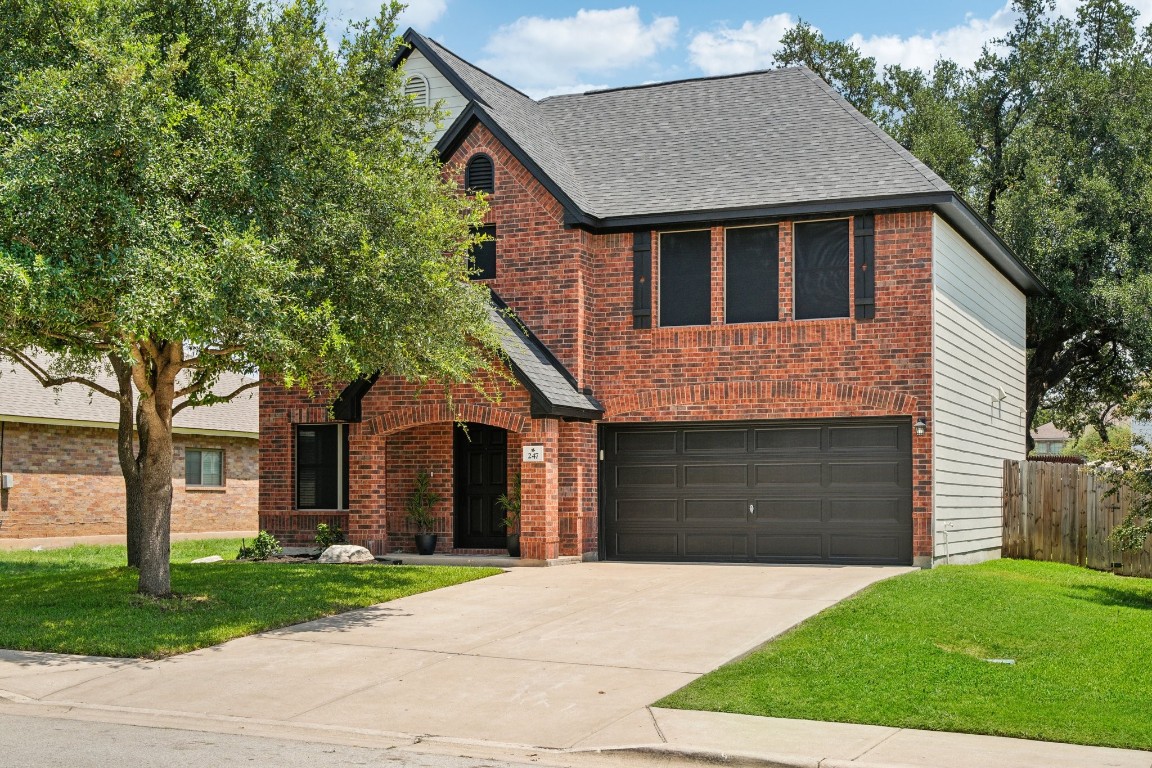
pixel 545 48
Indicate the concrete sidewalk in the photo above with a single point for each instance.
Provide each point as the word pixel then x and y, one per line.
pixel 562 661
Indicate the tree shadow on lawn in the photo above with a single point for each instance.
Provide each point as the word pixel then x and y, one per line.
pixel 1114 596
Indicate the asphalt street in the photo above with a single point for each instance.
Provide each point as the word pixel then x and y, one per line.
pixel 43 742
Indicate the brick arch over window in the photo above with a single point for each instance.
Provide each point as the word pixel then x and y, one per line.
pixel 416 415
pixel 804 394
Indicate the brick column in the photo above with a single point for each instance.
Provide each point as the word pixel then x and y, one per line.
pixel 539 509
pixel 367 490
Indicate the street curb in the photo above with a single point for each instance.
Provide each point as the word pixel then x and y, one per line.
pixel 662 752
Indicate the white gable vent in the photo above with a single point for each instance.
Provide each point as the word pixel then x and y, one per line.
pixel 416 88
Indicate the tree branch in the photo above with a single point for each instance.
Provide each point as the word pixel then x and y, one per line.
pixel 47 380
pixel 221 399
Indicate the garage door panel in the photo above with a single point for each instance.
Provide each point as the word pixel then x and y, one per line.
pixel 791 473
pixel 627 510
pixel 715 440
pixel 866 548
pixel 649 545
pixel 787 439
pixel 857 437
pixel 715 474
pixel 711 545
pixel 865 510
pixel 732 510
pixel 647 475
pixel 645 441
pixel 832 491
pixel 790 547
pixel 864 473
pixel 773 510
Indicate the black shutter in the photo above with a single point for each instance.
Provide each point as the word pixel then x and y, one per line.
pixel 484 255
pixel 751 274
pixel 642 279
pixel 865 267
pixel 686 278
pixel 318 450
pixel 480 175
pixel 821 269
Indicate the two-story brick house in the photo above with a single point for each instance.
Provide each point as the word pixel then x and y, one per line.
pixel 760 330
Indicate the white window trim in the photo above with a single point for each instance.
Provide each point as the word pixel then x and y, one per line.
pixel 201 451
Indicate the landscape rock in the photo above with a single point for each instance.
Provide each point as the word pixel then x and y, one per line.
pixel 346 553
pixel 209 559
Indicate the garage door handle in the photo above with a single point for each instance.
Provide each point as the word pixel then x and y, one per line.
pixel 751 509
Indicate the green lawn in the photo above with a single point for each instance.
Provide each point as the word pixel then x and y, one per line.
pixel 81 599
pixel 911 652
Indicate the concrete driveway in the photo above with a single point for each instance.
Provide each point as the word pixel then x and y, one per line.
pixel 549 657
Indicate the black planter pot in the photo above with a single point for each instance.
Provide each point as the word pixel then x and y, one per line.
pixel 514 545
pixel 425 543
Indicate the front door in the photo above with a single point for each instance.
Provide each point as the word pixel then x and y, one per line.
pixel 481 478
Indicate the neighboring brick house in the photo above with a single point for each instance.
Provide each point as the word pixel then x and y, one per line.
pixel 760 331
pixel 58 448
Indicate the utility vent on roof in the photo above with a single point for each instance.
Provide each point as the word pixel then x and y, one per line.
pixel 480 175
pixel 416 88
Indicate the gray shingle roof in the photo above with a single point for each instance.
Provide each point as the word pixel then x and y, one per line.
pixel 553 391
pixel 758 139
pixel 22 397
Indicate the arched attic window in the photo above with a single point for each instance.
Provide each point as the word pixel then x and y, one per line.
pixel 416 88
pixel 480 175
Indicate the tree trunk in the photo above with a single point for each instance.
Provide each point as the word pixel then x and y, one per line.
pixel 157 385
pixel 126 451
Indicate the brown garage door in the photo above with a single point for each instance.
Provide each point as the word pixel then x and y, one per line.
pixel 811 491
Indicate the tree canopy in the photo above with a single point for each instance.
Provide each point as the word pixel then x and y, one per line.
pixel 189 188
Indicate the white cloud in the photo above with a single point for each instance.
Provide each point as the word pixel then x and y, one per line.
pixel 961 43
pixel 749 47
pixel 548 56
pixel 421 14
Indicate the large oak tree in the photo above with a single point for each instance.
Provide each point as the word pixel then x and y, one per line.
pixel 193 187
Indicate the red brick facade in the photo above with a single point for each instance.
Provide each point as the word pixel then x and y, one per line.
pixel 67 482
pixel 573 288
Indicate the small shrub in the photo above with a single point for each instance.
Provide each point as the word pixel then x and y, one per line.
pixel 263 546
pixel 421 501
pixel 327 535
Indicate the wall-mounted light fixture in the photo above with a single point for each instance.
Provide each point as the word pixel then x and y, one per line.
pixel 921 427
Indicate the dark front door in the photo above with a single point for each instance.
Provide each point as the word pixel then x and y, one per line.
pixel 811 491
pixel 481 477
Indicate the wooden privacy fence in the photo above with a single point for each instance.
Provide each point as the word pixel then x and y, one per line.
pixel 1064 513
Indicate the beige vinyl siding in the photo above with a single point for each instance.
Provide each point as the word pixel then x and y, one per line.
pixel 978 349
pixel 439 90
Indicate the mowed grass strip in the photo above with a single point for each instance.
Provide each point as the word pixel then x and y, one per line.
pixel 82 600
pixel 913 652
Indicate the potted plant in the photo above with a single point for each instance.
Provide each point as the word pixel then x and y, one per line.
pixel 510 503
pixel 419 507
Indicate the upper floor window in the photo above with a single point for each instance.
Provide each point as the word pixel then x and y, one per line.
pixel 751 274
pixel 321 466
pixel 416 89
pixel 480 175
pixel 484 255
pixel 820 269
pixel 204 467
pixel 686 278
